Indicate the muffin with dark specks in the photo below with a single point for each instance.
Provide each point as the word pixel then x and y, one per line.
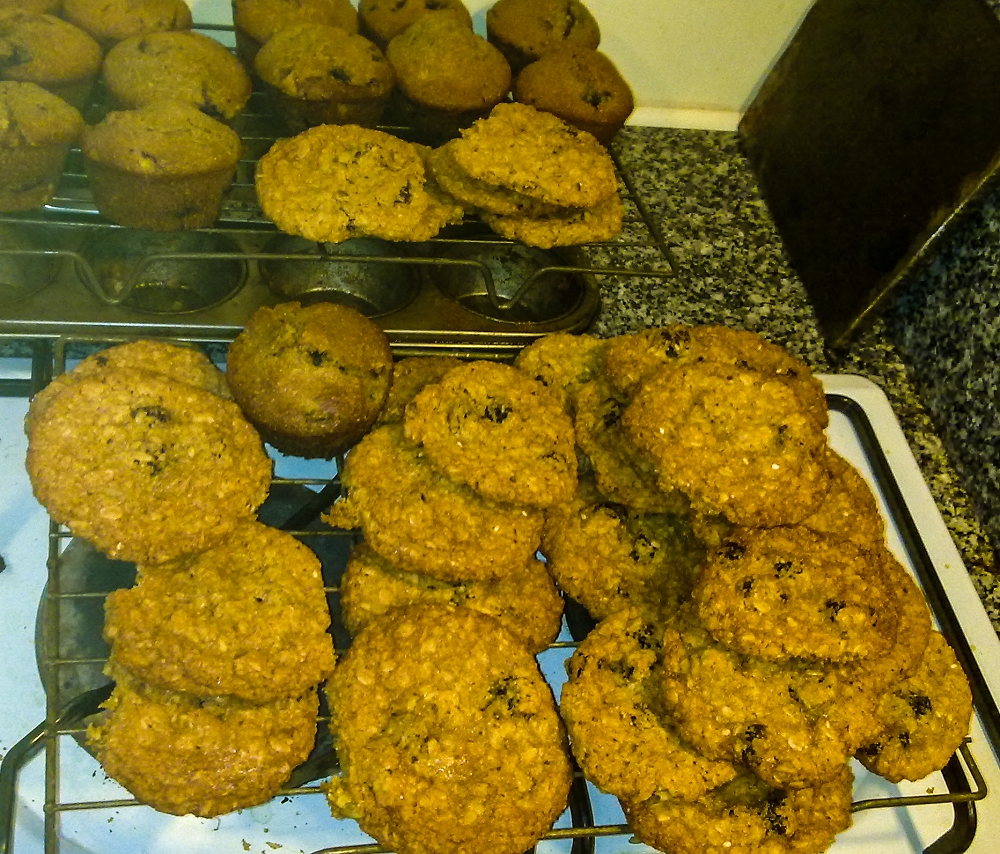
pixel 110 21
pixel 255 21
pixel 524 30
pixel 383 20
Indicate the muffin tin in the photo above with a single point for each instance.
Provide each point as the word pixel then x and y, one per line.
pixel 64 269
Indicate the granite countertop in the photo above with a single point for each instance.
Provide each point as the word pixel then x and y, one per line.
pixel 702 194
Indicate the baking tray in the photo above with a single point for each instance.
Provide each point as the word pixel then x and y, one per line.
pixel 58 799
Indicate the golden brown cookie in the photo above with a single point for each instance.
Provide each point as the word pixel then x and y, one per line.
pixel 448 735
pixel 247 618
pixel 409 376
pixel 146 468
pixel 205 756
pixel 422 521
pixel 563 361
pixel 567 227
pixel 501 432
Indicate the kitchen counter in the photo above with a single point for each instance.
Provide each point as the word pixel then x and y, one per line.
pixel 732 270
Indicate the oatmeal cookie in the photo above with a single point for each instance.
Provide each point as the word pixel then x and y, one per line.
pixel 207 756
pixel 422 521
pixel 564 362
pixel 533 153
pixel 746 816
pixel 924 718
pixel 747 710
pixel 410 376
pixel 499 431
pixel 333 182
pixel 790 592
pixel 607 556
pixel 623 473
pixel 177 361
pixel 566 227
pixel 849 509
pixel 449 737
pixel 633 358
pixel 146 468
pixel 477 194
pixel 733 440
pixel 312 378
pixel 527 602
pixel 247 618
pixel 620 732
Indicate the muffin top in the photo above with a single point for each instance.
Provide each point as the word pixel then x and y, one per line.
pixel 441 63
pixel 526 29
pixel 383 20
pixel 319 62
pixel 261 19
pixel 29 115
pixel 44 49
pixel 166 137
pixel 578 85
pixel 177 65
pixel 110 21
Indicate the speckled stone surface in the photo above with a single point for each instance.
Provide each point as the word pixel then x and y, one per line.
pixel 701 194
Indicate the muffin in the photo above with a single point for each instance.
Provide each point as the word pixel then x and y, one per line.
pixel 383 20
pixel 311 378
pixel 580 86
pixel 49 7
pixel 44 49
pixel 110 21
pixel 177 65
pixel 447 76
pixel 524 30
pixel 163 167
pixel 35 136
pixel 321 74
pixel 255 21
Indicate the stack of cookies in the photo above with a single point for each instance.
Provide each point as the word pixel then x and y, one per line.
pixel 140 451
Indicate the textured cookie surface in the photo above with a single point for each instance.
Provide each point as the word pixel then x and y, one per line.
pixel 409 376
pixel 332 182
pixel 449 737
pixel 496 429
pixel 247 619
pixel 567 227
pixel 620 732
pixel 208 757
pixel 145 468
pixel 527 603
pixel 564 362
pixel 538 155
pixel 422 521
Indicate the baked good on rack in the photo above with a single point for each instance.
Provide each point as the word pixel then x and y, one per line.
pixel 564 362
pixel 165 166
pixel 255 21
pixel 746 816
pixel 43 49
pixel 791 592
pixel 734 440
pixel 448 735
pixel 205 756
pixel 924 718
pixel 180 362
pixel 246 618
pixel 110 21
pixel 566 227
pixel 620 732
pixel 534 153
pixel 608 557
pixel 422 521
pixel 320 74
pixel 447 76
pixel 312 379
pixel 180 66
pixel 382 20
pixel 49 7
pixel 409 376
pixel 36 134
pixel 525 30
pixel 849 510
pixel 333 182
pixel 581 86
pixel 525 602
pixel 498 430
pixel 146 468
